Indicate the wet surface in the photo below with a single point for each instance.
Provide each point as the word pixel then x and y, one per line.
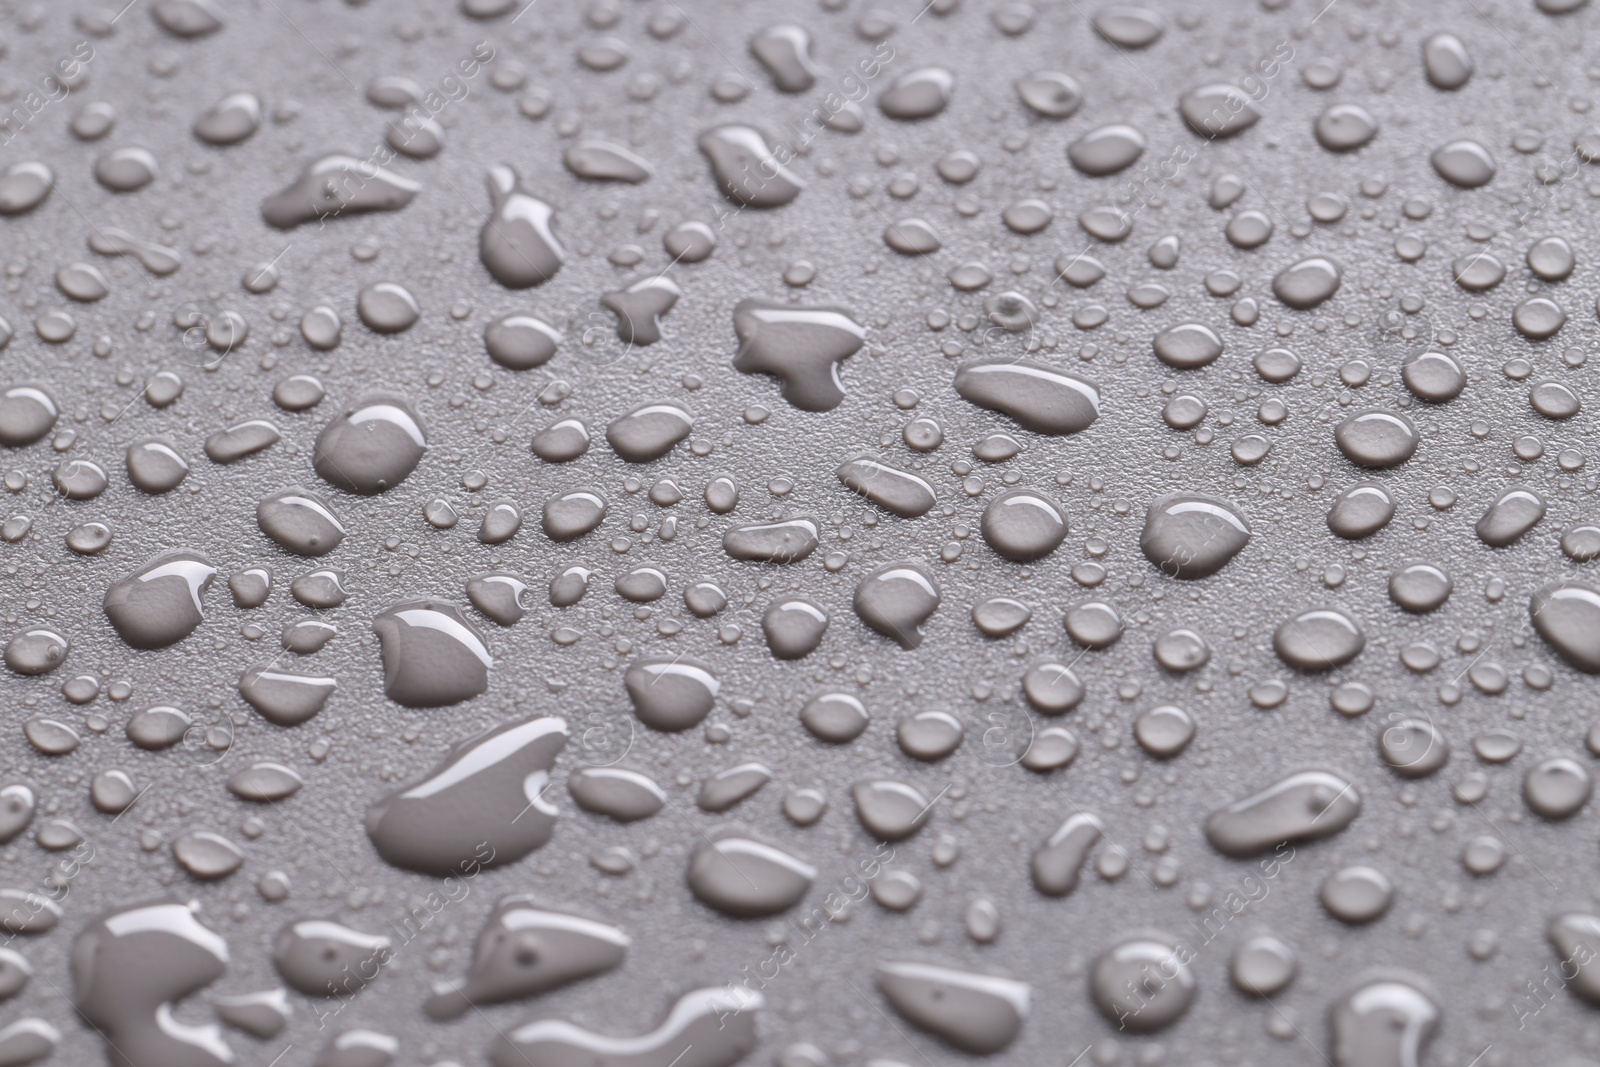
pixel 614 533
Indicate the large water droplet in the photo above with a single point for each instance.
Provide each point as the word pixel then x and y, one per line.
pixel 748 879
pixel 1023 525
pixel 1143 984
pixel 160 603
pixel 891 811
pixel 1218 110
pixel 371 447
pixel 1386 1023
pixel 746 169
pixel 793 627
pixel 896 599
pixel 322 958
pixel 1375 438
pixel 1513 513
pixel 27 413
pixel 432 657
pixel 130 966
pixel 335 185
pixel 284 698
pixel 976 1013
pixel 1567 615
pixel 713 1027
pixel 1040 398
pixel 670 693
pixel 785 50
pixel 1464 163
pixel 918 94
pixel 1060 857
pixel 1301 807
pixel 1190 536
pixel 518 244
pixel 483 805
pixel 1307 283
pixel 801 347
pixel 525 950
pixel 619 793
pixel 300 521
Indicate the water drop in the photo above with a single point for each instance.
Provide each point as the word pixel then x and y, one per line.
pixel 976 1013
pixel 371 447
pixel 334 185
pixel 525 950
pixel 432 656
pixel 483 805
pixel 518 244
pixel 1302 807
pixel 801 347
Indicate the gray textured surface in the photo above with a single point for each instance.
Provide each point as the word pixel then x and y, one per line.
pixel 310 64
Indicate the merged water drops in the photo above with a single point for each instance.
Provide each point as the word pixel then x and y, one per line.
pixel 801 347
pixel 131 966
